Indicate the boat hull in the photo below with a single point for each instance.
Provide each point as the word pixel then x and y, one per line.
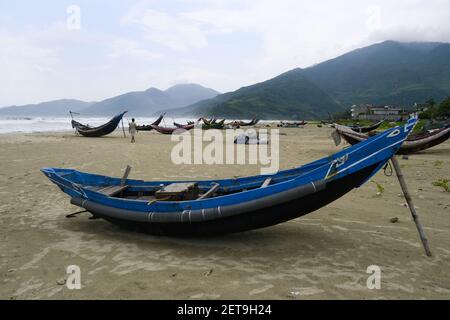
pixel 367 129
pixel 149 127
pixel 164 130
pixel 413 144
pixel 100 131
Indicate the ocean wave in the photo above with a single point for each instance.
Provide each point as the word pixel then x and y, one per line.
pixel 20 124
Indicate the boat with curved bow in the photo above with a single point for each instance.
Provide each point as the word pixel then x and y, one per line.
pixel 149 126
pixel 219 206
pixel 103 130
pixel 413 144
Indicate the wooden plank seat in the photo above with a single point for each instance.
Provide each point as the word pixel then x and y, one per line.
pixel 112 191
pixel 267 182
pixel 178 192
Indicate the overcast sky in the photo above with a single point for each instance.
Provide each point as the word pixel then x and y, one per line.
pixel 125 46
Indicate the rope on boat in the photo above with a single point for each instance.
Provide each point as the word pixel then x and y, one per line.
pixel 388 173
pixel 73 215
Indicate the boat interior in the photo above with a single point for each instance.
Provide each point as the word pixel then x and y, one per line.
pixel 176 191
pixel 182 190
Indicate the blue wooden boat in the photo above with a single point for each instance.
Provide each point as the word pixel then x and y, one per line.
pixel 100 131
pixel 232 205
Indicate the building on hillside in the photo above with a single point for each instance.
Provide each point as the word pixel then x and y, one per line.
pixel 370 112
pixel 357 110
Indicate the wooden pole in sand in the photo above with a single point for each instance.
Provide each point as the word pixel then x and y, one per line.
pixel 408 198
pixel 123 129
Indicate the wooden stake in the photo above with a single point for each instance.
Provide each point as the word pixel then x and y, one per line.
pixel 123 181
pixel 73 215
pixel 123 129
pixel 408 198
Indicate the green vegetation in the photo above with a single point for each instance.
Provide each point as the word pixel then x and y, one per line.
pixel 443 183
pixel 288 96
pixel 420 126
pixel 438 163
pixel 436 111
pixel 388 73
pixel 380 189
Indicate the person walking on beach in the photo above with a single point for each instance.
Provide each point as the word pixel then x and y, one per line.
pixel 133 130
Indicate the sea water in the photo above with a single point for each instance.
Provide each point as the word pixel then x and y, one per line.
pixel 12 124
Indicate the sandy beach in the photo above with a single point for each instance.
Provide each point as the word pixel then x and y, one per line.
pixel 323 255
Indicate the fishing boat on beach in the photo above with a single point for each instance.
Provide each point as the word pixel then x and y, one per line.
pixel 248 124
pixel 212 124
pixel 103 130
pixel 149 126
pixel 413 144
pixel 187 126
pixel 208 121
pixel 366 129
pixel 165 130
pixel 292 124
pixel 213 207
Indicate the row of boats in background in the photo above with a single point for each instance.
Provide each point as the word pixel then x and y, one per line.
pixel 206 124
pixel 352 134
pixel 415 142
pixel 292 124
pixel 110 126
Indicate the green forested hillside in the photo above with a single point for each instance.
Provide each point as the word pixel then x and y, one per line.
pixel 289 95
pixel 388 73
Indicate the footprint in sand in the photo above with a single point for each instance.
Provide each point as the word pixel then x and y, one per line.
pixel 260 290
pixel 306 291
pixel 205 296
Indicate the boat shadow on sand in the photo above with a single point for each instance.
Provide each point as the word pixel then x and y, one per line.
pixel 302 237
pixel 110 137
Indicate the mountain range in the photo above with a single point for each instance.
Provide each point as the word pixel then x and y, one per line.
pixel 391 73
pixel 54 108
pixel 290 95
pixel 386 73
pixel 145 103
pixel 138 103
